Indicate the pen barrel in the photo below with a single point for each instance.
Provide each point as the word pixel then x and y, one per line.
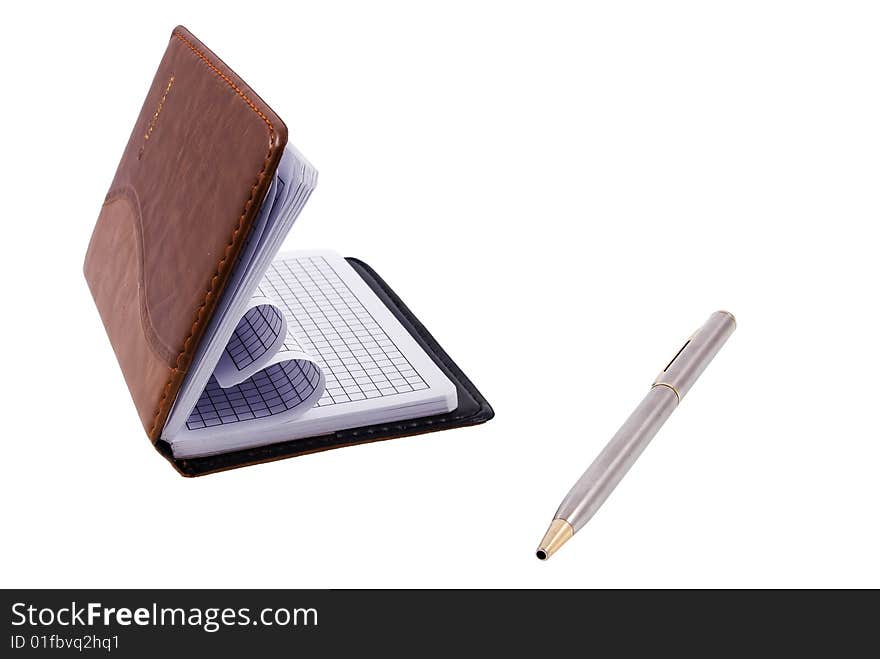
pixel 669 388
pixel 693 357
pixel 611 465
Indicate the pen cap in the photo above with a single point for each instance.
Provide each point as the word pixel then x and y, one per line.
pixel 693 357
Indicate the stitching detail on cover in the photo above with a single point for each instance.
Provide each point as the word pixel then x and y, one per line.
pixel 215 280
pixel 155 117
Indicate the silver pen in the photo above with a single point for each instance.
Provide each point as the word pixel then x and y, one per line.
pixel 600 479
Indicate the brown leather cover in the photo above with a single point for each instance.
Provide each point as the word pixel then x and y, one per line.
pixel 192 177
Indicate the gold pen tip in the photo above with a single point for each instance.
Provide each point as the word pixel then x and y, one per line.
pixel 557 535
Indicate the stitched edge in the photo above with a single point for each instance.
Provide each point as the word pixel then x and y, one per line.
pixel 155 118
pixel 215 279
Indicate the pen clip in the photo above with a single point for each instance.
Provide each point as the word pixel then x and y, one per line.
pixel 680 350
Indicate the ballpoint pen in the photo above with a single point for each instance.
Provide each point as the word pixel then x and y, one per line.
pixel 609 467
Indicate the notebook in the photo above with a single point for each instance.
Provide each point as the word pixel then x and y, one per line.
pixel 234 354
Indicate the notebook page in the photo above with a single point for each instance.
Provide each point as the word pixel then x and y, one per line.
pixel 374 371
pixel 360 360
pixel 372 364
pixel 277 380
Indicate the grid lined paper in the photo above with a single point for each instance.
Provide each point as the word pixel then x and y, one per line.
pixel 254 335
pixel 275 389
pixel 358 358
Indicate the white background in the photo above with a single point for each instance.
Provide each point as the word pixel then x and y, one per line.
pixel 562 193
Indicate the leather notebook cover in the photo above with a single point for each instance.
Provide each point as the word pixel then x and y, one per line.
pixel 196 168
pixel 189 185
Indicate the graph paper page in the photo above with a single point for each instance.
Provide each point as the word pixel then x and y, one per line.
pixel 373 370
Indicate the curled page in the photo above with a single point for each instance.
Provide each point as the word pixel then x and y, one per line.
pixel 259 335
pixel 283 390
pixel 263 373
